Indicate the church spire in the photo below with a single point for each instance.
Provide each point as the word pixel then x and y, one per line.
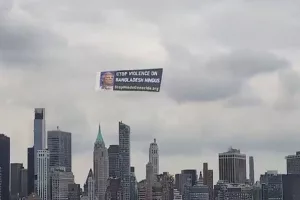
pixel 99 138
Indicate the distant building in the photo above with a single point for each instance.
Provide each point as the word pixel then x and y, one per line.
pixel 43 176
pixel 124 147
pixel 74 191
pixel 251 170
pixel 232 166
pixel 89 187
pixel 142 189
pixel 60 180
pixel 150 181
pixel 177 195
pixel 100 166
pixel 177 181
pixel 113 158
pixel 233 191
pixel 133 185
pixel 167 184
pixel 114 189
pixel 205 173
pixel 15 180
pixel 154 157
pixel 199 191
pixel 23 183
pixel 210 183
pixel 187 177
pixel 293 163
pixel 60 148
pixel 5 166
pixel 30 168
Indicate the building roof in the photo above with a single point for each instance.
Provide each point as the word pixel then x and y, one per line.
pixel 99 138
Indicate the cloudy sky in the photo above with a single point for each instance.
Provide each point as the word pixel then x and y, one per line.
pixel 231 77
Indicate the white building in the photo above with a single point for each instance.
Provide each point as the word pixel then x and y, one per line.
pixel 101 170
pixel 91 188
pixel 60 179
pixel 43 179
pixel 154 157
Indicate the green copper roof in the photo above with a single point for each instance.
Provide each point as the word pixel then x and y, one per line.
pixel 99 138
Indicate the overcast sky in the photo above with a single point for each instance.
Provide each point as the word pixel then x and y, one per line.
pixel 231 77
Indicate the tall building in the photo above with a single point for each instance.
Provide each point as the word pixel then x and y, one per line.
pixel 114 190
pixel 40 139
pixel 251 170
pixel 293 163
pixel 15 180
pixel 100 166
pixel 113 158
pixel 210 183
pixel 154 157
pixel 60 148
pixel 0 183
pixel 60 180
pixel 74 191
pixel 89 186
pixel 4 165
pixel 43 178
pixel 150 181
pixel 205 170
pixel 23 183
pixel 133 185
pixel 232 166
pixel 188 176
pixel 30 168
pixel 124 147
pixel 177 181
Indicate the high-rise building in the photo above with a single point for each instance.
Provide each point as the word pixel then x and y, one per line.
pixel 23 183
pixel 30 168
pixel 43 178
pixel 124 147
pixel 100 166
pixel 251 170
pixel 205 170
pixel 150 181
pixel 232 166
pixel 133 185
pixel 4 165
pixel 177 181
pixel 188 176
pixel 89 186
pixel 113 158
pixel 74 191
pixel 114 190
pixel 210 183
pixel 60 148
pixel 15 180
pixel 0 183
pixel 60 180
pixel 154 156
pixel 40 139
pixel 293 163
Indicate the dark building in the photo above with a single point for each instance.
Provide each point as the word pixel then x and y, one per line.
pixel 210 183
pixel 133 185
pixel 113 157
pixel 205 170
pixel 114 189
pixel 293 163
pixel 232 166
pixel 4 165
pixel 85 186
pixel 271 185
pixel 60 147
pixel 30 172
pixel 15 180
pixel 188 178
pixel 74 191
pixel 291 183
pixel 177 181
pixel 23 183
pixel 251 170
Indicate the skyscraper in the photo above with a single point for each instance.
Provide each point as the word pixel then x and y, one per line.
pixel 89 186
pixel 39 131
pixel 23 183
pixel 30 173
pixel 205 170
pixel 114 190
pixel 133 185
pixel 100 166
pixel 15 180
pixel 293 163
pixel 113 157
pixel 4 165
pixel 154 157
pixel 43 178
pixel 124 147
pixel 60 148
pixel 232 166
pixel 251 169
pixel 150 180
pixel 210 183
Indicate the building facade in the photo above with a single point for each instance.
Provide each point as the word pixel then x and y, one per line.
pixel 60 148
pixel 232 166
pixel 15 180
pixel 89 187
pixel 43 175
pixel 5 166
pixel 142 189
pixel 23 183
pixel 233 191
pixel 133 185
pixel 114 189
pixel 150 181
pixel 100 166
pixel 154 157
pixel 293 163
pixel 40 139
pixel 74 191
pixel 113 158
pixel 60 180
pixel 124 147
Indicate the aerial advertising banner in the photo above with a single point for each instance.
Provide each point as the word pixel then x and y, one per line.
pixel 148 80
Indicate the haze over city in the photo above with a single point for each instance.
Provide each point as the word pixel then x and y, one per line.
pixel 231 78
